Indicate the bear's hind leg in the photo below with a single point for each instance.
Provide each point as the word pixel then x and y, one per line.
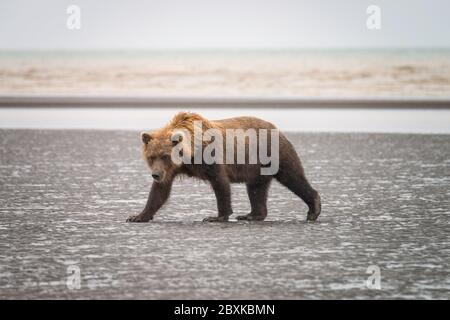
pixel 221 187
pixel 257 193
pixel 295 180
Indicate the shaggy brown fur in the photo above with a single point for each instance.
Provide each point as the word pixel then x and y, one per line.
pixel 157 148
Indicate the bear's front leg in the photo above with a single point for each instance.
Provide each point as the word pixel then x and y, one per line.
pixel 158 195
pixel 222 190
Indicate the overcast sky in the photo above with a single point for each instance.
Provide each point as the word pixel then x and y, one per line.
pixel 198 24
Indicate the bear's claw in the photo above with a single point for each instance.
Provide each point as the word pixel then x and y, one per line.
pixel 133 219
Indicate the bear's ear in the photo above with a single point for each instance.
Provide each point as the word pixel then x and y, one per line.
pixel 177 137
pixel 145 137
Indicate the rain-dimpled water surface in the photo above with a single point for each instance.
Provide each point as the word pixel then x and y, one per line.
pixel 65 195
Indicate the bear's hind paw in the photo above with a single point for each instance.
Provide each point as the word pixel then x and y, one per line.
pixel 216 219
pixel 251 217
pixel 137 218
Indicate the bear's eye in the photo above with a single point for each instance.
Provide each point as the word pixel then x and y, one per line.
pixel 152 158
pixel 165 157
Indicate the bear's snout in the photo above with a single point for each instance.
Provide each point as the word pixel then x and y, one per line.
pixel 157 175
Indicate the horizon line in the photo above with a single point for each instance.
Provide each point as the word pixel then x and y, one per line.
pixel 230 49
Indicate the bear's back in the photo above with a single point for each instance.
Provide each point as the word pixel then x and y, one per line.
pixel 244 123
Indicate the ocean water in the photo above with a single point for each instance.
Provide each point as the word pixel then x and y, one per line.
pixel 308 73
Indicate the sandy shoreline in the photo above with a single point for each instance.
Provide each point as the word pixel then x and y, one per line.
pixel 327 74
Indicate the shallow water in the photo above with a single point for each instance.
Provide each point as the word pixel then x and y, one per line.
pixel 386 120
pixel 64 197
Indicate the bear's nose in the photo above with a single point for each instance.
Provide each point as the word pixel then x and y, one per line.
pixel 156 175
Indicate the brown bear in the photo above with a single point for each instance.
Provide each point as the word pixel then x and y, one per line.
pixel 158 148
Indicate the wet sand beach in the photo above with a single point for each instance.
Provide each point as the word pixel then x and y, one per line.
pixel 65 195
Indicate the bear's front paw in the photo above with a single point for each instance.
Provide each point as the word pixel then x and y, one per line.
pixel 137 218
pixel 216 219
pixel 314 212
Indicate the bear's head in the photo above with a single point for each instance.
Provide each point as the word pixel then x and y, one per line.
pixel 163 151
